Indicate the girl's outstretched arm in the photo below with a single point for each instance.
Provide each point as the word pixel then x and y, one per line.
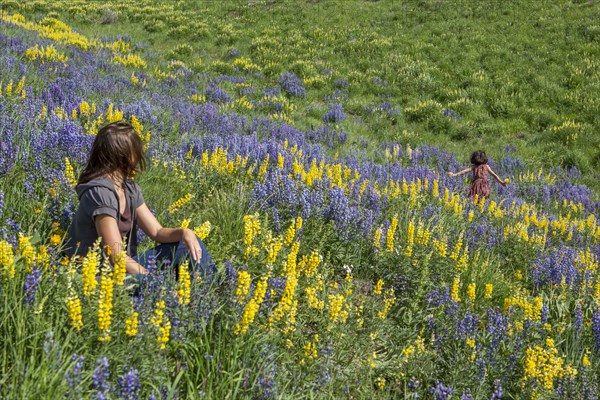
pixel 500 181
pixel 464 171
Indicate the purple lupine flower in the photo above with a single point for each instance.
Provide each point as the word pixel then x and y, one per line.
pixel 544 313
pixel 413 385
pixel 589 386
pixel 271 92
pixel 13 225
pixel 559 263
pixel 339 210
pixel 266 382
pixel 467 395
pixel 276 220
pixel 231 273
pixel 326 134
pixel 596 329
pixel 1 203
pixel 378 81
pixel 100 379
pixel 497 326
pixel 151 264
pixel 438 297
pixel 32 282
pixel 325 366
pixel 73 376
pixel 140 235
pixel 386 108
pixel 441 392
pixel 178 326
pixel 217 95
pixel 49 343
pixel 481 368
pixel 447 112
pixel 337 96
pixel 164 392
pixel 277 283
pixel 467 327
pixel 229 78
pixel 497 395
pixel 52 350
pixel 578 317
pixel 325 377
pixel 129 385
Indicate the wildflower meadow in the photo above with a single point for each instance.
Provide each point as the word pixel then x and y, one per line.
pixel 308 144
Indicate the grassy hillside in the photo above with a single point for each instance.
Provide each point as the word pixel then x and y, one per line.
pixel 308 146
pixel 464 75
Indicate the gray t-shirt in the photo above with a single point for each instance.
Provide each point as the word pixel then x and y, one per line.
pixel 99 197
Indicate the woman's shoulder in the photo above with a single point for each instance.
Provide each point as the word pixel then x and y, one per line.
pixel 135 191
pixel 133 185
pixel 96 185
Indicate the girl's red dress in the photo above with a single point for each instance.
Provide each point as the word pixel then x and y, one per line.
pixel 480 185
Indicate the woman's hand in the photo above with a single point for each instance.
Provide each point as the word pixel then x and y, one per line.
pixel 451 173
pixel 150 225
pixel 191 243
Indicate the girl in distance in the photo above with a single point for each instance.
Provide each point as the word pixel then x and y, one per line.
pixel 480 184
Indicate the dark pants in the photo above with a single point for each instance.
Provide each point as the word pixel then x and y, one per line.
pixel 175 254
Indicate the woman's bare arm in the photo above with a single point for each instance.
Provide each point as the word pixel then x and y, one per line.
pixel 160 234
pixel 107 228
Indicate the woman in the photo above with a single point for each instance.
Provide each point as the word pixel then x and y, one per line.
pixel 111 206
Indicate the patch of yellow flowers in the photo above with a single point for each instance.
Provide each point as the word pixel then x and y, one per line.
pixel 252 307
pixel 543 366
pixel 45 54
pixel 160 321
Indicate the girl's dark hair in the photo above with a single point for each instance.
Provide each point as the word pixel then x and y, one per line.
pixel 117 148
pixel 478 158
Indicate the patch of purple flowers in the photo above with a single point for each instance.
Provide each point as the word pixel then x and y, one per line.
pixel 441 392
pixel 290 83
pixel 73 376
pixel 100 379
pixel 335 114
pixel 129 385
pixel 447 112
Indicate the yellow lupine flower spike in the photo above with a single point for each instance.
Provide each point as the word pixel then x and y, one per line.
pixel 74 305
pixel 105 305
pixel 7 259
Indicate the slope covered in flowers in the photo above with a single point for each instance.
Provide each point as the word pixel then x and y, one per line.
pixel 343 272
pixel 520 72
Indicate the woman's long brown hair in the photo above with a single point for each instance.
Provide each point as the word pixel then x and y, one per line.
pixel 117 148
